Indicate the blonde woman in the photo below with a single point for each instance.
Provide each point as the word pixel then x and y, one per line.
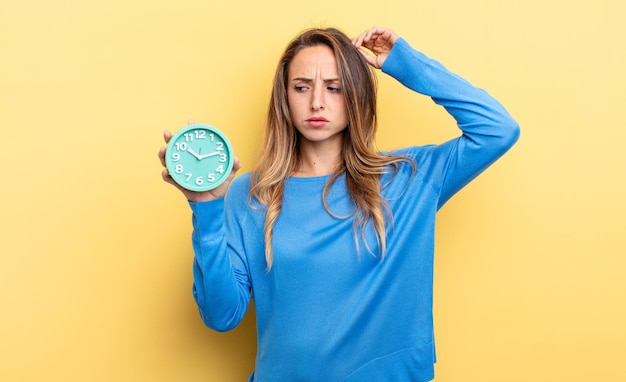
pixel 334 239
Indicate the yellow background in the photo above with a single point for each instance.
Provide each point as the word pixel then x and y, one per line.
pixel 95 266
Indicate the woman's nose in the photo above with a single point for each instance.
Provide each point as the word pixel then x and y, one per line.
pixel 317 99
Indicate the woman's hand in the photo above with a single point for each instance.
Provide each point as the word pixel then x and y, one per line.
pixel 193 196
pixel 379 42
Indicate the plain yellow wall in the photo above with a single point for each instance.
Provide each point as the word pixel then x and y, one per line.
pixel 95 271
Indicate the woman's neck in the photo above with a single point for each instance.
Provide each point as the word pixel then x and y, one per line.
pixel 317 160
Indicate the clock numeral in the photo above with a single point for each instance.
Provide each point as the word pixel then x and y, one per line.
pixel 199 181
pixel 220 146
pixel 222 157
pixel 179 169
pixel 181 146
pixel 211 177
pixel 199 134
pixel 188 175
pixel 176 157
pixel 212 137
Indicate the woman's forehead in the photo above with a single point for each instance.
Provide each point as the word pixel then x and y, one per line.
pixel 313 61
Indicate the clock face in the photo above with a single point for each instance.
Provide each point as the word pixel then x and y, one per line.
pixel 199 157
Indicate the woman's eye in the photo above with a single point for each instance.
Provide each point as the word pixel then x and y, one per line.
pixel 299 88
pixel 334 89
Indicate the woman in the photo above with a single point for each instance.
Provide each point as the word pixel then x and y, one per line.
pixel 334 239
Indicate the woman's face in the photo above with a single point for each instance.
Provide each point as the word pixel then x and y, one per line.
pixel 315 98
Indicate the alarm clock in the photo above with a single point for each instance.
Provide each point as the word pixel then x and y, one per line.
pixel 199 157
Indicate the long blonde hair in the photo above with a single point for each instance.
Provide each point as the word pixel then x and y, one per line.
pixel 362 163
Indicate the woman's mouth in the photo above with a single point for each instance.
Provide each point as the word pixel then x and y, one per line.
pixel 317 122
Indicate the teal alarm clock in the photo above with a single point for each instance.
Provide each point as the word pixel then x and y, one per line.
pixel 199 157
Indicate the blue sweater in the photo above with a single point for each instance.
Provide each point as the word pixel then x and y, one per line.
pixel 327 311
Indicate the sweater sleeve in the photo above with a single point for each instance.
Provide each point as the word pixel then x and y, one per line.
pixel 488 131
pixel 221 285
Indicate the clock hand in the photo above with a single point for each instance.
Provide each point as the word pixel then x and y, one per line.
pixel 195 154
pixel 208 155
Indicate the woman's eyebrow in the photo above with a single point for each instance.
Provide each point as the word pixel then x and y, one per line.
pixel 306 79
